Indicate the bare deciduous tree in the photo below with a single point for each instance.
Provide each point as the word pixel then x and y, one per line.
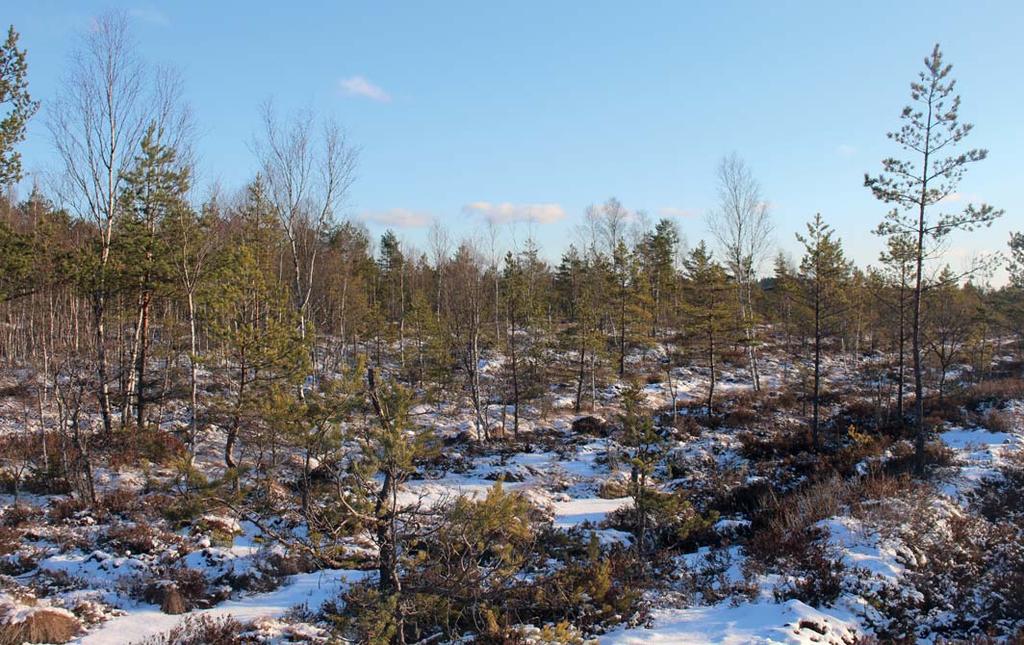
pixel 308 175
pixel 100 115
pixel 743 229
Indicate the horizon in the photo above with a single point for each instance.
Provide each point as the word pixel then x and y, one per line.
pixel 525 117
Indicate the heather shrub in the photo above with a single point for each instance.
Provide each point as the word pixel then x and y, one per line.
pixel 204 630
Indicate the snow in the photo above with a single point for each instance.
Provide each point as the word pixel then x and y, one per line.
pixel 144 621
pixel 863 548
pixel 981 453
pixel 590 509
pixel 961 439
pixel 757 623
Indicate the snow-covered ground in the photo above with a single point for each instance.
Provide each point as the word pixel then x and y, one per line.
pixel 760 623
pixel 578 483
pixel 308 590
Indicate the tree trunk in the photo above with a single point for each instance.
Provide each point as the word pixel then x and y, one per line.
pixel 103 392
pixel 140 364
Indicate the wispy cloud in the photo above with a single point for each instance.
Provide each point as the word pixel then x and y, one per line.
pixel 506 212
pixel 398 218
pixel 149 14
pixel 846 150
pixel 670 211
pixel 961 198
pixel 359 86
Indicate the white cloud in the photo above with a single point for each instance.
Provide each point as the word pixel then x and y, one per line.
pixel 359 86
pixel 967 198
pixel 149 14
pixel 846 150
pixel 506 212
pixel 398 218
pixel 670 211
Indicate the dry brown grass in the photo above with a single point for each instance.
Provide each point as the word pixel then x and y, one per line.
pixel 1003 389
pixel 42 625
pixel 173 602
pixel 1000 421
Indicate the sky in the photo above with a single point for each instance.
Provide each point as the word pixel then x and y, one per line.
pixel 525 113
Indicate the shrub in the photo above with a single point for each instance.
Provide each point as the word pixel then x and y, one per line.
pixel 750 497
pixel 613 488
pixel 902 458
pixel 204 630
pixel 1002 498
pixel 124 448
pixel 19 514
pixel 182 509
pixel 1000 421
pixel 121 501
pixel 484 571
pixel 741 417
pixel 816 575
pixel 65 508
pixel 993 391
pixel 39 625
pixel 182 589
pixel 670 520
pixel 596 591
pixel 957 589
pixel 592 426
pixel 782 443
pixel 9 540
pixel 133 538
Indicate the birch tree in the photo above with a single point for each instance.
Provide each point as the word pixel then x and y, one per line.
pixel 742 227
pixel 308 172
pixel 105 103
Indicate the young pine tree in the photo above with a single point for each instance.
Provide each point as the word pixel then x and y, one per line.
pixel 897 277
pixel 824 275
pixel 709 309
pixel 153 196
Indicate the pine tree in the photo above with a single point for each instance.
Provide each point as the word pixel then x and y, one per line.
pixel 580 285
pixel 782 296
pixel 645 444
pixel 932 128
pixel 897 274
pixel 824 274
pixel 390 452
pixel 658 259
pixel 392 267
pixel 708 309
pixel 13 93
pixel 951 323
pixel 1016 264
pixel 154 194
pixel 196 259
pixel 261 343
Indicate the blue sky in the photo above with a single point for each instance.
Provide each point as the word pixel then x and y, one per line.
pixel 546 107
